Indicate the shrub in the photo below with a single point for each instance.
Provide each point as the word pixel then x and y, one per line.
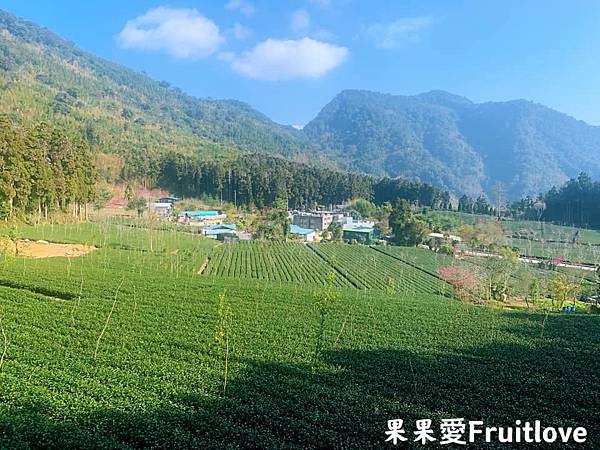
pixel 7 246
pixel 7 241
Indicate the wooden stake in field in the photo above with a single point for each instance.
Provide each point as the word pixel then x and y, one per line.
pixel 5 350
pixel 225 317
pixel 76 304
pixel 108 319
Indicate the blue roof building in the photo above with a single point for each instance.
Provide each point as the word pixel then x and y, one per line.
pixel 221 227
pixel 220 231
pixel 306 233
pixel 199 214
pixel 167 200
pixel 361 233
pixel 201 217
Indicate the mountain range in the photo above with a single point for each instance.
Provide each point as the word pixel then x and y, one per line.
pixel 441 138
pixel 517 146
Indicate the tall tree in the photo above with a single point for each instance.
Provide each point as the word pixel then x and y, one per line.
pixel 407 229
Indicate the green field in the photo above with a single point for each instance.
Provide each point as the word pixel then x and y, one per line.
pixel 426 259
pixel 367 268
pixel 525 229
pixel 550 232
pixel 432 261
pixel 123 237
pixel 122 348
pixel 273 261
pixel 576 253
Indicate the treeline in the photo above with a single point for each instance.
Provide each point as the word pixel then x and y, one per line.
pixel 527 208
pixel 576 203
pixel 43 169
pixel 260 181
pixel 480 205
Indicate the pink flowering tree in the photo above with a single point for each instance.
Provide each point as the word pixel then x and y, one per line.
pixel 464 282
pixel 558 260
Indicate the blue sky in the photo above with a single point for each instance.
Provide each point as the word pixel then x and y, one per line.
pixel 289 58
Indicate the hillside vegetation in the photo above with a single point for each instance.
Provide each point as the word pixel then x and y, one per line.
pixel 120 111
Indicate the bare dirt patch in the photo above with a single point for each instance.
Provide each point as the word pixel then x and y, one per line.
pixel 43 249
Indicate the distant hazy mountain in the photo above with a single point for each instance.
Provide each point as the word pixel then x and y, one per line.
pixel 452 142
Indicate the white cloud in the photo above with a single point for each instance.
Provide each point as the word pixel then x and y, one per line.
pixel 182 33
pixel 226 56
pixel 240 31
pixel 274 59
pixel 323 35
pixel 245 7
pixel 321 3
pixel 300 20
pixel 301 24
pixel 399 32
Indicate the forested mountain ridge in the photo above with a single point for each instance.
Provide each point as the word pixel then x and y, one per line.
pixel 452 142
pixel 131 121
pixel 122 112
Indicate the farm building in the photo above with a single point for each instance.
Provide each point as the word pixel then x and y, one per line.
pixel 168 199
pixel 318 220
pixel 445 237
pixel 162 208
pixel 359 232
pixel 221 232
pixel 201 217
pixel 343 219
pixel 306 234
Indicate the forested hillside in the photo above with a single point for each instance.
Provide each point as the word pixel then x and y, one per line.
pixel 452 142
pixel 120 111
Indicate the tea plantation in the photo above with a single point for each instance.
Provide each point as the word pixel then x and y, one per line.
pixel 129 347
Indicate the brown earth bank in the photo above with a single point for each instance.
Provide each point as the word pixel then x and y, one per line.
pixel 44 249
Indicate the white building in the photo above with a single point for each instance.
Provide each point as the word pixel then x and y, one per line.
pixel 162 208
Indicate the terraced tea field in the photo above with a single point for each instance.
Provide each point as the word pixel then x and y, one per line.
pixel 115 350
pixel 116 236
pixel 367 268
pixel 273 261
pixel 523 274
pixel 423 258
pixel 549 232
